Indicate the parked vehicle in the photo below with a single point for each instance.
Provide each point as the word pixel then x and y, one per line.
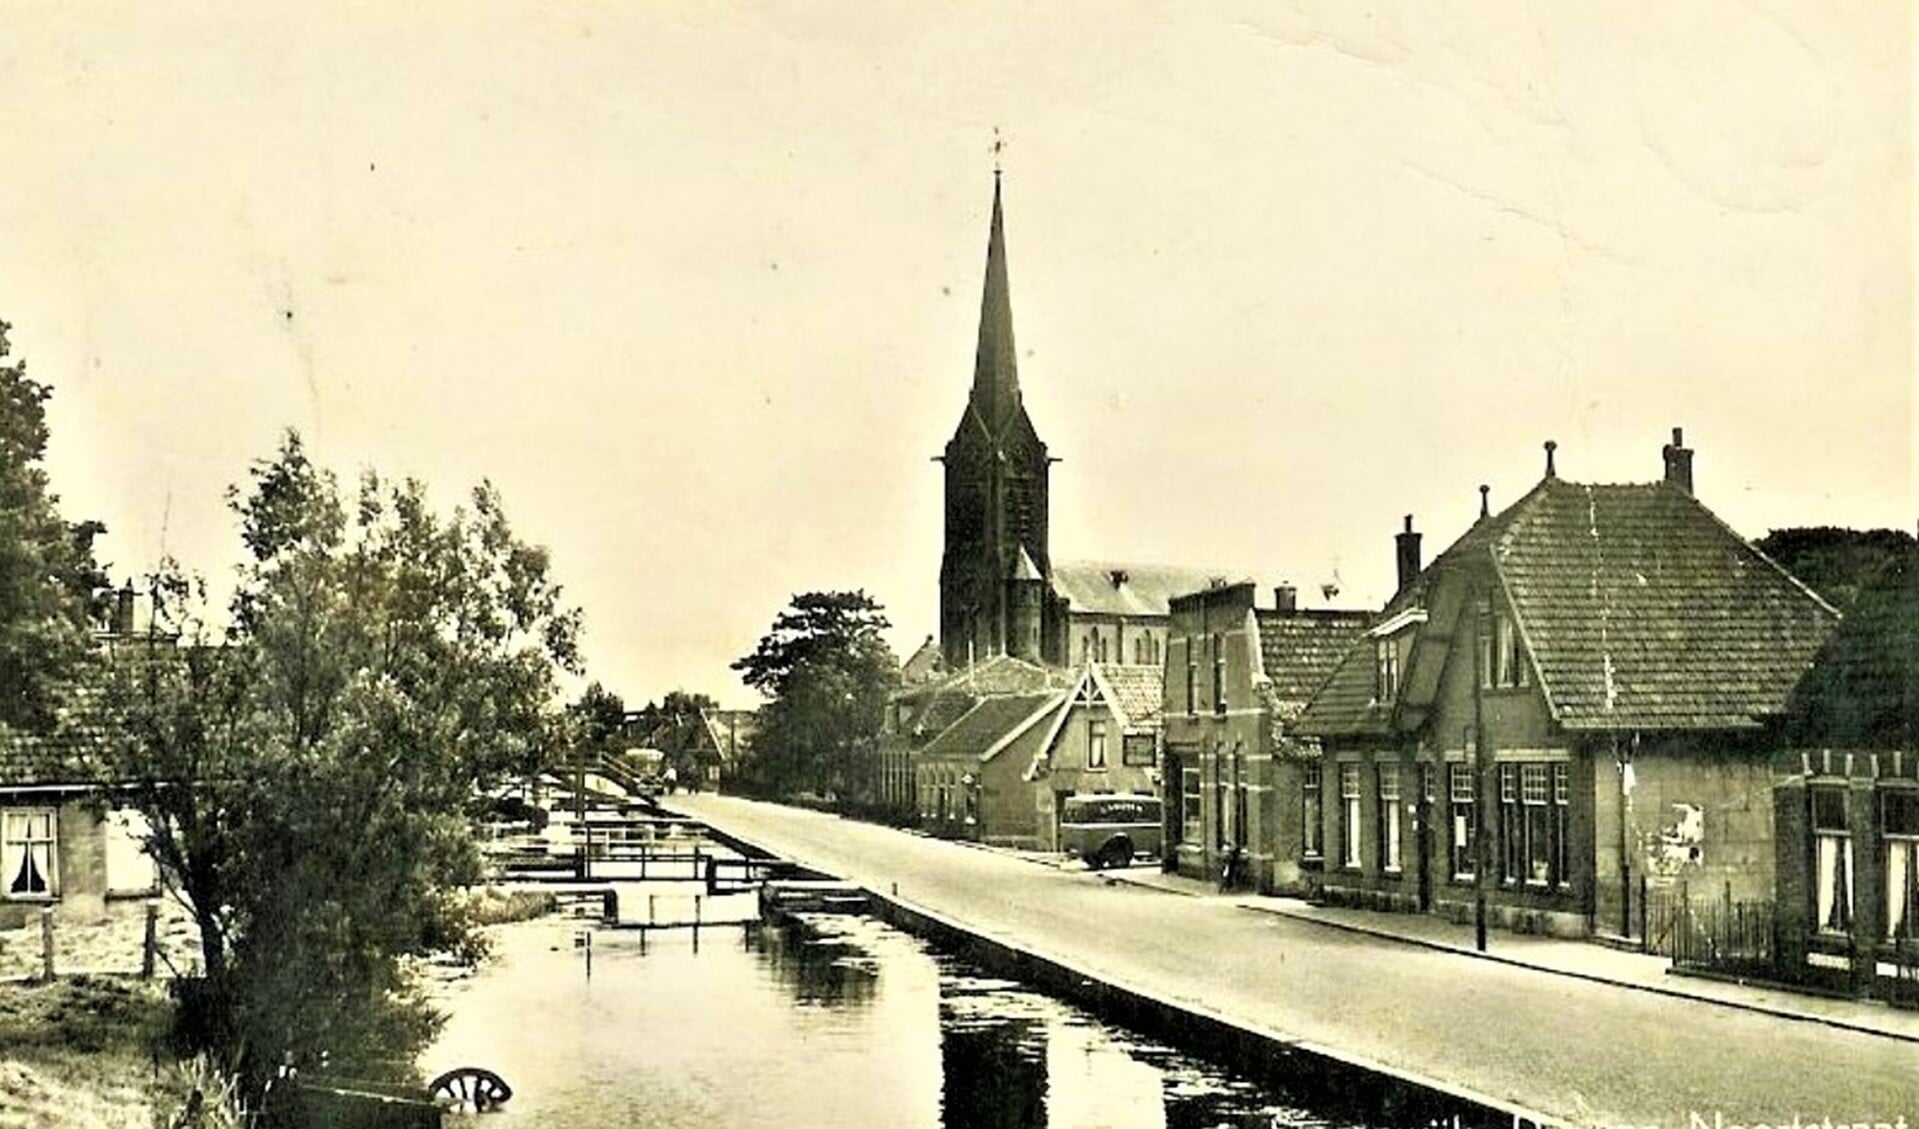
pixel 1110 830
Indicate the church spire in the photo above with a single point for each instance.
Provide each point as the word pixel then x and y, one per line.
pixel 995 371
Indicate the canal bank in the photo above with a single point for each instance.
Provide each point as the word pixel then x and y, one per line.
pixel 1501 1036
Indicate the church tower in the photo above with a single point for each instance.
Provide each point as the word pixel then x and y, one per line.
pixel 995 571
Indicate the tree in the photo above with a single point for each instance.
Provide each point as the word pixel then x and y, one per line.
pixel 826 671
pixel 1863 689
pixel 48 577
pixel 308 770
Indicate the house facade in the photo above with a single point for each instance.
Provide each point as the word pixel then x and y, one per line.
pixel 1846 808
pixel 989 754
pixel 1235 679
pixel 1582 694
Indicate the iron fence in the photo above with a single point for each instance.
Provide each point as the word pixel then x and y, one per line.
pixel 1714 933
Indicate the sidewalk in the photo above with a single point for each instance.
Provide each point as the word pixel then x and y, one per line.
pixel 1581 959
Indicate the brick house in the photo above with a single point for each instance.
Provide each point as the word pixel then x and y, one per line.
pixel 988 753
pixel 1103 738
pixel 1583 690
pixel 1847 805
pixel 1236 678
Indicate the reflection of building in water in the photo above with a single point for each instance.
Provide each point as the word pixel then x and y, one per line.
pixel 830 973
pixel 993 1072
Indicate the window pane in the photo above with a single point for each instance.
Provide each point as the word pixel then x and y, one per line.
pixel 1899 808
pixel 1828 808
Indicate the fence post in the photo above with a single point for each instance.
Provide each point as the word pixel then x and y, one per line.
pixel 46 942
pixel 150 946
pixel 1645 917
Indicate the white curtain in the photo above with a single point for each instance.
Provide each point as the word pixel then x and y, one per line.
pixel 1898 884
pixel 1834 888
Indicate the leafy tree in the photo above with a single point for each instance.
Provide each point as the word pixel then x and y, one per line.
pixel 1863 690
pixel 599 720
pixel 1836 563
pixel 826 671
pixel 308 769
pixel 48 577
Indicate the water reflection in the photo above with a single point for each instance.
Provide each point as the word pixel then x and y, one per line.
pixel 846 1022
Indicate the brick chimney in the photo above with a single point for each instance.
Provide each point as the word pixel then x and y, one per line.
pixel 122 611
pixel 1678 461
pixel 1407 542
pixel 1286 598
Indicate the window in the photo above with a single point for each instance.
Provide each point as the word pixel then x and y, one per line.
pixel 1832 860
pixel 1388 817
pixel 1190 809
pixel 1533 801
pixel 1192 679
pixel 1349 815
pixel 1385 670
pixel 26 854
pixel 1311 819
pixel 1219 674
pixel 1502 660
pixel 1137 750
pixel 1899 825
pixel 1096 742
pixel 1465 820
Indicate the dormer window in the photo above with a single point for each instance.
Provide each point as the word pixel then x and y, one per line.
pixel 1385 669
pixel 1502 657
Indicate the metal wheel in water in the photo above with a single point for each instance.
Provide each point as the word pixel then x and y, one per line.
pixel 470 1089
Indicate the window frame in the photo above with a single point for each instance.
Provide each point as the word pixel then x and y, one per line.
pixel 1350 816
pixel 1192 805
pixel 1386 786
pixel 1834 908
pixel 1312 812
pixel 1096 744
pixel 22 849
pixel 1463 825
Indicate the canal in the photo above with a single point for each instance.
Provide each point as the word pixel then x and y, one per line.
pixel 842 1021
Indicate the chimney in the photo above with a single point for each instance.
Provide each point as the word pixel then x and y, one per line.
pixel 1678 461
pixel 123 611
pixel 1551 470
pixel 1407 543
pixel 1485 501
pixel 1286 598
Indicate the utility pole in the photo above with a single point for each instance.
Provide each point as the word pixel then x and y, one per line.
pixel 1481 606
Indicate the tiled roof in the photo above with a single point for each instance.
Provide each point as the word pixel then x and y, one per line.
pixel 1139 689
pixel 69 754
pixel 988 722
pixel 1300 649
pixel 1638 608
pixel 1863 689
pixel 1126 589
pixel 933 706
pixel 1642 610
pixel 923 665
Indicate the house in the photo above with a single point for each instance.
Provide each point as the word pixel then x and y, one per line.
pixel 1846 809
pixel 1236 678
pixel 988 753
pixel 1103 737
pixel 730 733
pixel 64 843
pixel 1583 692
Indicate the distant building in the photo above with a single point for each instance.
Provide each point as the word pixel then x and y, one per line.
pixel 1237 676
pixel 1001 593
pixel 1584 691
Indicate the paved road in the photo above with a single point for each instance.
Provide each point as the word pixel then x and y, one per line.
pixel 1588 1054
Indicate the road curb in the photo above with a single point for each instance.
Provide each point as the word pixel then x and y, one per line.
pixel 1589 977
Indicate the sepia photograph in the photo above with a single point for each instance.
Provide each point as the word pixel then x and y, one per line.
pixel 753 564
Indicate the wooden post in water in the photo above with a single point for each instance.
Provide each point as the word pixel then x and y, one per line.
pixel 46 942
pixel 150 946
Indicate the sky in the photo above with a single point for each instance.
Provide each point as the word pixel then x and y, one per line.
pixel 697 285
